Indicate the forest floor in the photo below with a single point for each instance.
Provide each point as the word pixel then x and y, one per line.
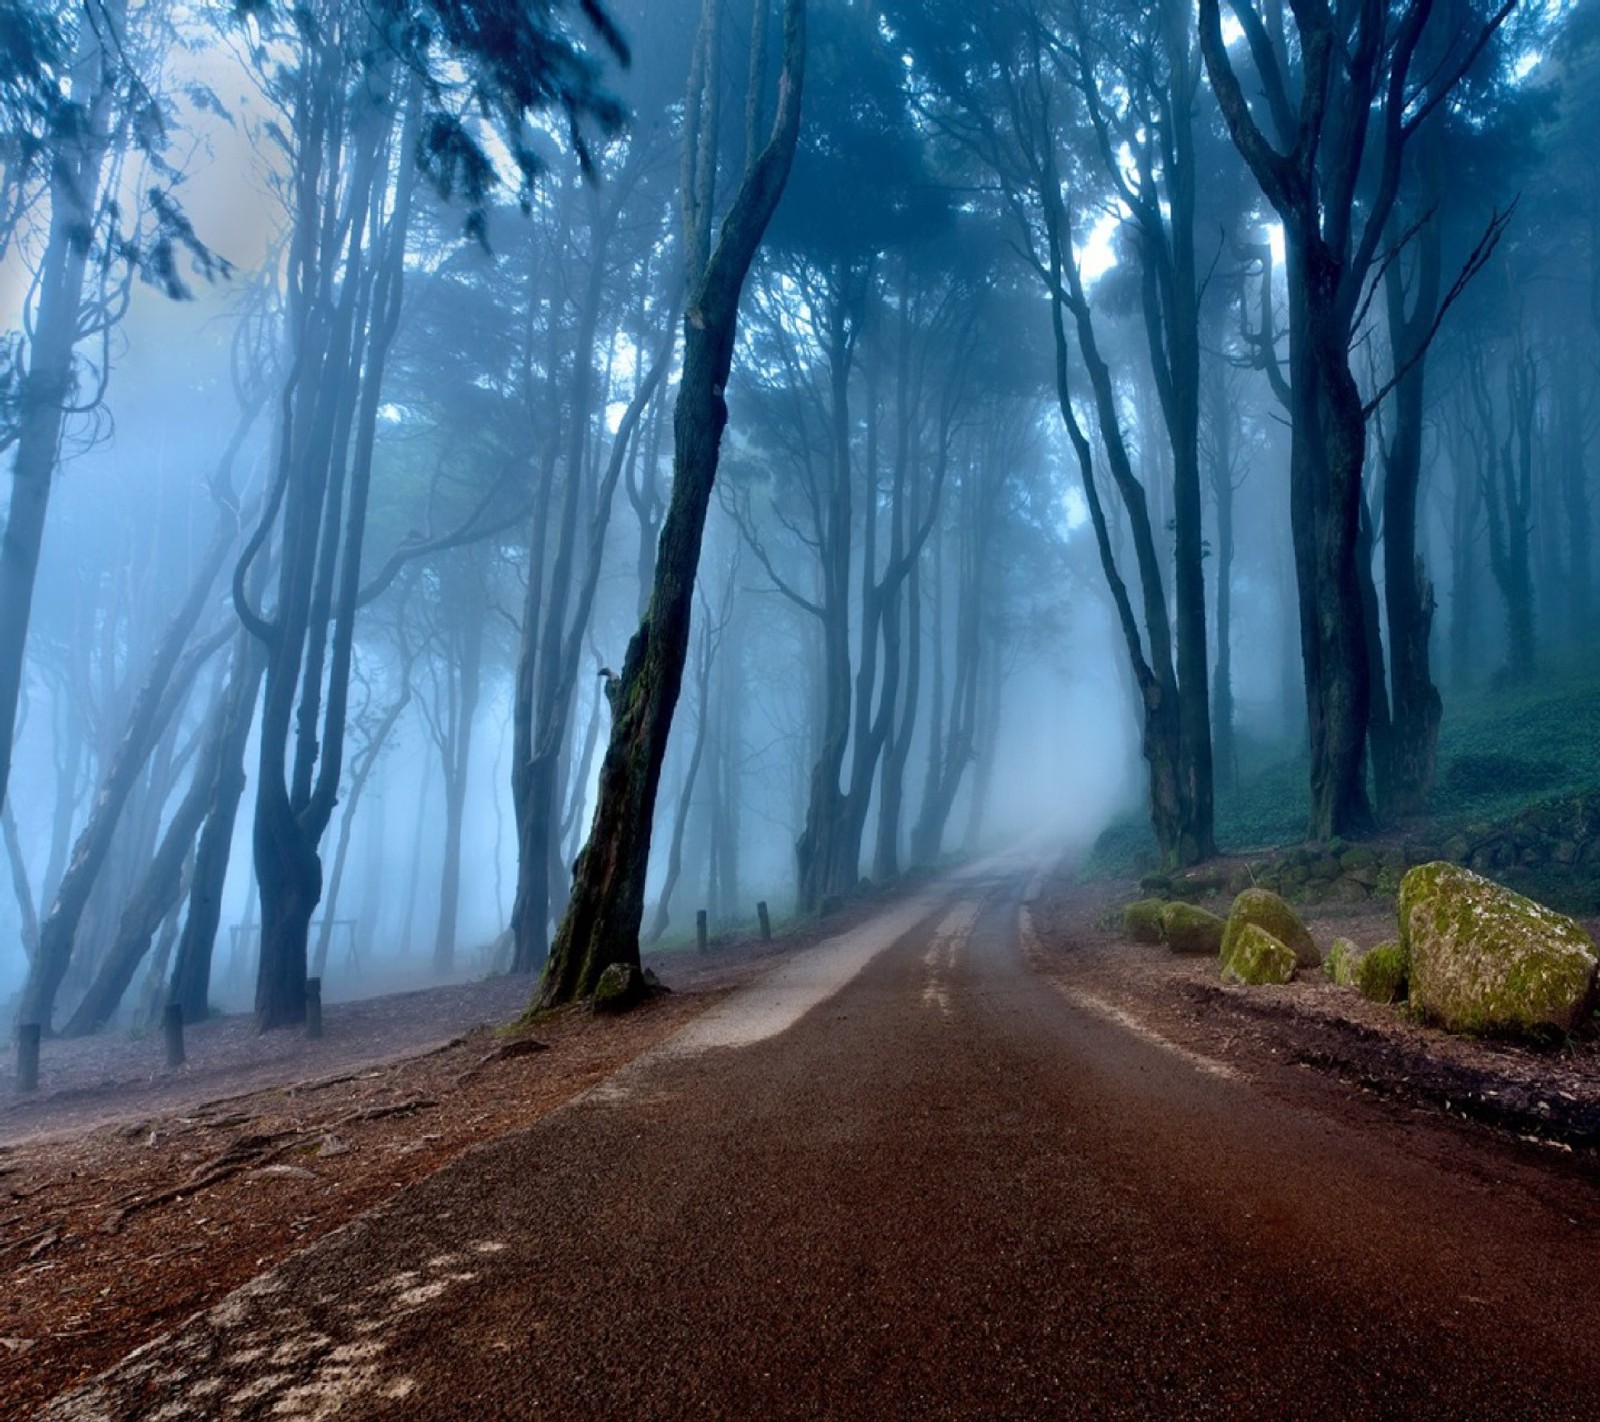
pixel 131 1198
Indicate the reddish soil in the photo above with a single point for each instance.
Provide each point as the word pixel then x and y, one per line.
pixel 132 1196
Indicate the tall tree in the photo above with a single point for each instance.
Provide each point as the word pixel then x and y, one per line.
pixel 601 924
pixel 369 93
pixel 1067 116
pixel 1343 97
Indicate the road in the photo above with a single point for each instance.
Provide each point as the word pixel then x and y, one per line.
pixel 905 1177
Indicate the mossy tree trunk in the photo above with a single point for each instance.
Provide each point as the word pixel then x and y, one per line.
pixel 601 924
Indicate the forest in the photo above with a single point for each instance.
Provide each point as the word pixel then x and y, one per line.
pixel 493 479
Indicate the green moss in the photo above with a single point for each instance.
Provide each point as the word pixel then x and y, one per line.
pixel 621 986
pixel 1141 920
pixel 1389 878
pixel 1484 959
pixel 1190 929
pixel 1264 909
pixel 1341 961
pixel 1381 975
pixel 1254 957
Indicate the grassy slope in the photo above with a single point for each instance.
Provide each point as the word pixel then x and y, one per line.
pixel 1499 750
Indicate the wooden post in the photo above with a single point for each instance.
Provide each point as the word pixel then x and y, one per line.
pixel 766 921
pixel 28 1056
pixel 700 933
pixel 172 1032
pixel 313 1008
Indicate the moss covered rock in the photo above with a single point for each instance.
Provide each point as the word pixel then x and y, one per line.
pixel 1264 909
pixel 1485 959
pixel 1141 920
pixel 621 987
pixel 1189 929
pixel 1254 957
pixel 1340 964
pixel 1383 974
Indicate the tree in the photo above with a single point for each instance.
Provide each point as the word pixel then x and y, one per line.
pixel 74 107
pixel 369 92
pixel 566 559
pixel 1331 170
pixel 1051 105
pixel 601 924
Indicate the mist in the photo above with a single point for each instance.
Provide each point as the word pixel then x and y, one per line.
pixel 344 392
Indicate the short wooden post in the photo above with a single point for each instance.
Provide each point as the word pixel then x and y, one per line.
pixel 313 1008
pixel 766 921
pixel 28 1035
pixel 701 934
pixel 172 1032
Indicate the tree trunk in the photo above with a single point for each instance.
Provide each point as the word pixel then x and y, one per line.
pixel 27 911
pixel 601 924
pixel 46 389
pixel 819 854
pixel 156 893
pixel 1224 751
pixel 549 657
pixel 457 766
pixel 159 699
pixel 191 974
pixel 1380 729
pixel 892 785
pixel 330 409
pixel 1408 592
pixel 691 774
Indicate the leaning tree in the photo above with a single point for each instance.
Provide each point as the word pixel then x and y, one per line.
pixel 601 924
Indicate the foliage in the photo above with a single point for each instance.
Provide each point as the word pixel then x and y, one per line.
pixel 500 66
pixel 1504 747
pixel 33 49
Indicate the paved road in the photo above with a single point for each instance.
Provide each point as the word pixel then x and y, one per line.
pixel 945 1191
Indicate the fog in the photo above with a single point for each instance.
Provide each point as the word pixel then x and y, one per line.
pixel 1053 496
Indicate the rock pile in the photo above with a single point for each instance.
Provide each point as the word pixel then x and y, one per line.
pixel 1472 955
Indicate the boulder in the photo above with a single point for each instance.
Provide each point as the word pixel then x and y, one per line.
pixel 1485 959
pixel 1204 882
pixel 1264 909
pixel 1346 890
pixel 1189 929
pixel 1141 920
pixel 1254 957
pixel 1382 975
pixel 621 987
pixel 1340 964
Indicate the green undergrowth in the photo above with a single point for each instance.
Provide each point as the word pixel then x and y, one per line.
pixel 1501 750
